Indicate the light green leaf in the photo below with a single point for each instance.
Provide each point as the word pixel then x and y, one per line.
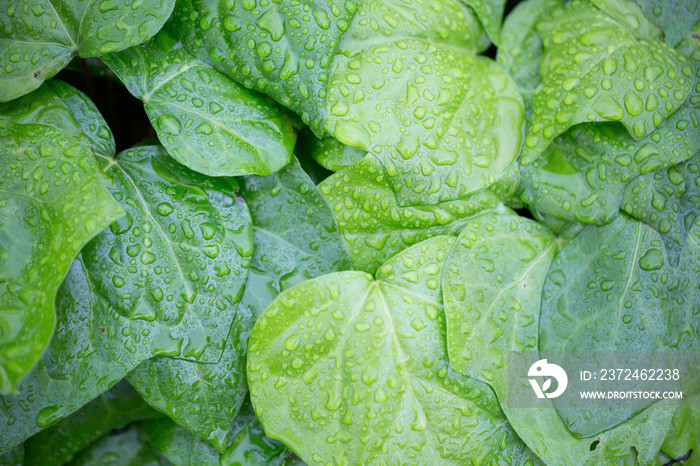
pixel 582 176
pixel 40 39
pixel 490 13
pixel 181 303
pixel 628 308
pixel 112 410
pixel 320 385
pixel 444 122
pixel 596 70
pixel 512 325
pixel 375 227
pixel 284 51
pixel 520 51
pixel 205 121
pixel 331 153
pixel 247 444
pixel 690 45
pixel 120 449
pixel 52 202
pixel 683 438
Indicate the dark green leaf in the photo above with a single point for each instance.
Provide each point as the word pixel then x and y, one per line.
pixel 120 449
pixel 39 39
pixel 205 121
pixel 112 410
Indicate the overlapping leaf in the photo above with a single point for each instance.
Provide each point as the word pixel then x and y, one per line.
pixel 39 39
pixel 151 284
pixel 373 225
pixel 346 368
pixel 514 256
pixel 595 69
pixel 126 448
pixel 205 121
pixel 52 202
pixel 247 444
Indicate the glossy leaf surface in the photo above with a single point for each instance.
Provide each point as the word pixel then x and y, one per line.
pixel 113 409
pixel 282 49
pixel 38 40
pixel 205 121
pixel 45 219
pixel 149 316
pixel 375 227
pixel 247 444
pixel 616 77
pixel 333 154
pixel 319 383
pixel 443 127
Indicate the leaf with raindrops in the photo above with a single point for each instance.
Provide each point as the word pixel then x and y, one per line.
pixel 351 368
pixel 114 409
pixel 151 284
pixel 610 75
pixel 120 448
pixel 331 153
pixel 205 121
pixel 52 202
pixel 40 38
pixel 372 224
pixel 247 445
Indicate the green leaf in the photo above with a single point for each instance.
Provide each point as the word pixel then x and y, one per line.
pixel 112 410
pixel 375 227
pixel 120 449
pixel 444 122
pixel 596 70
pixel 511 324
pixel 607 291
pixel 320 385
pixel 690 45
pixel 520 51
pixel 247 444
pixel 674 17
pixel 205 121
pixel 202 397
pixel 582 176
pixel 683 438
pixel 116 288
pixel 667 200
pixel 52 202
pixel 492 282
pixel 284 51
pixel 295 239
pixel 333 154
pixel 490 13
pixel 41 39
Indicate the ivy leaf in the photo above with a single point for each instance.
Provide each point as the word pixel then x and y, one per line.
pixel 205 121
pixel 442 129
pixel 113 409
pixel 287 50
pixel 329 384
pixel 511 324
pixel 41 39
pixel 490 13
pixel 45 219
pixel 650 80
pixel 129 320
pixel 247 443
pixel 582 176
pixel 120 449
pixel 627 309
pixel 521 50
pixel 206 397
pixel 373 224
